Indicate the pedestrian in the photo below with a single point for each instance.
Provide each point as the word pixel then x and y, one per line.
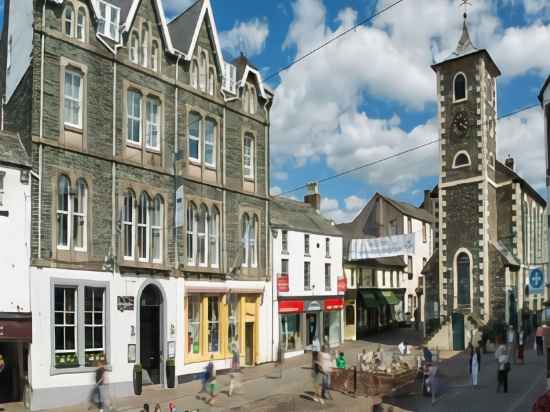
pixel 503 362
pixel 97 397
pixel 521 346
pixel 433 382
pixel 280 360
pixel 341 361
pixel 363 361
pixel 511 340
pixel 427 354
pixel 157 408
pixel 539 341
pixel 315 348
pixel 233 385
pixel 236 358
pixel 317 378
pixel 326 370
pixel 475 364
pixel 212 382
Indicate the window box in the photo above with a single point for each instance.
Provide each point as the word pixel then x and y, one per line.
pixel 66 360
pixel 93 358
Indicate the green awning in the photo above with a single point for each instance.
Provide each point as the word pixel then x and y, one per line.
pixel 369 299
pixel 380 298
pixel 390 297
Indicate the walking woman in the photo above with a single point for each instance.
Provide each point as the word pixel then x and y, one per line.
pixel 503 362
pixel 521 347
pixel 475 364
pixel 539 341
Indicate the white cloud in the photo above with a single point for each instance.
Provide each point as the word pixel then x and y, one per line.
pixel 331 209
pixel 175 7
pixel 275 191
pixel 318 114
pixel 354 202
pixel 248 37
pixel 280 175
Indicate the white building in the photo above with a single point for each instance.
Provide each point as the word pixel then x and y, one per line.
pixel 15 305
pixel 308 282
pixel 544 98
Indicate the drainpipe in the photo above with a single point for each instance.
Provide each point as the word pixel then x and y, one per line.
pixel 41 132
pixel 176 150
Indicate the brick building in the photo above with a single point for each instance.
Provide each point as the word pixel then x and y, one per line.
pixel 150 207
pixel 491 222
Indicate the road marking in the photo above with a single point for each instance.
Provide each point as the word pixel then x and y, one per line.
pixel 517 403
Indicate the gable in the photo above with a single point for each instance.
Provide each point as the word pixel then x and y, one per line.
pixel 146 13
pixel 206 42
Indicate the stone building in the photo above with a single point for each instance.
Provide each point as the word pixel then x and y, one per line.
pixel 383 290
pixel 491 222
pixel 150 208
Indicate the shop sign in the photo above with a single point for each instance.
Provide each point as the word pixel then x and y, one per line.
pixel 342 285
pixel 291 306
pixel 313 306
pixel 334 304
pixel 125 303
pixel 16 330
pixel 282 283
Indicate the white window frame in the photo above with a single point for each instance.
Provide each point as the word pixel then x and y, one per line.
pixel 109 24
pixel 455 158
pixel 245 232
pixel 131 116
pixel 65 324
pixel 211 81
pixel 194 119
pixel 203 71
pixel 210 143
pixel 63 212
pixel 144 226
pixel 158 213
pixel 252 100
pixel 129 223
pixel 155 56
pixel 465 88
pixel 248 158
pixel 152 123
pixel 81 33
pixel 194 80
pixel 134 47
pixel 202 236
pixel 70 20
pixel 75 100
pixel 94 325
pixel 83 202
pixel 144 49
pixel 214 238
pixel 191 229
pixel 252 241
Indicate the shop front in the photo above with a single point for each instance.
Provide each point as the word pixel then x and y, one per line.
pixel 350 314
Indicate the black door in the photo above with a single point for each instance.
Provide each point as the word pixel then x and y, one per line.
pixel 458 331
pixel 9 372
pixel 149 336
pixel 311 321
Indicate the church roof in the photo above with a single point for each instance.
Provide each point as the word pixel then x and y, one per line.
pixel 13 151
pixel 504 172
pixel 508 256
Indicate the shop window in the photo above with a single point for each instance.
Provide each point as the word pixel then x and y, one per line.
pixel 65 327
pixel 291 339
pixel 194 324
pixel 213 324
pixel 94 325
pixel 233 323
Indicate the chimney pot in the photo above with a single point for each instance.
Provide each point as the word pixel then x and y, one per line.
pixel 509 162
pixel 313 197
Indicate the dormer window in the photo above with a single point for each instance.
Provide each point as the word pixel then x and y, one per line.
pixel 108 20
pixel 155 56
pixel 203 72
pixel 195 74
pixel 134 48
pixel 68 18
pixel 459 87
pixel 144 58
pixel 461 159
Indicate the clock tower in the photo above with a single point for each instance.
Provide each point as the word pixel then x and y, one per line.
pixel 466 93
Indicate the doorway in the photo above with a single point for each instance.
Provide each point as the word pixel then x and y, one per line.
pixel 249 343
pixel 458 331
pixel 312 327
pixel 13 370
pixel 150 334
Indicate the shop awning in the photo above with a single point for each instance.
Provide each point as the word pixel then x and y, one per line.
pixel 390 297
pixel 369 299
pixel 291 306
pixel 230 286
pixel 334 304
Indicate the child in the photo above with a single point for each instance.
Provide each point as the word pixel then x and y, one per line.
pixel 212 383
pixel 341 361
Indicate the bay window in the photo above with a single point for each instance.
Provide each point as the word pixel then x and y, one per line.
pixel 134 117
pixel 153 124
pixel 72 92
pixel 248 156
pixel 142 227
pixel 128 225
pixel 194 137
pixel 210 143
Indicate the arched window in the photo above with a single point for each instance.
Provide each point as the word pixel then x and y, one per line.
pixel 214 237
pixel 252 236
pixel 157 218
pixel 211 81
pixel 81 24
pixel 193 137
pixel 248 156
pixel 68 18
pixel 134 48
pixel 461 159
pixel 201 235
pixel 245 232
pixel 463 278
pixel 144 57
pixel 155 56
pixel 252 100
pixel 203 72
pixel 210 143
pixel 246 99
pixel 191 233
pixel 195 74
pixel 63 212
pixel 128 220
pixel 80 201
pixel 460 87
pixel 143 227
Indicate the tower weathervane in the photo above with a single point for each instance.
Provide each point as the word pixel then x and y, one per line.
pixel 465 3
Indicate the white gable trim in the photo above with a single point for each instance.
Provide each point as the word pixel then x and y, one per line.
pixel 250 70
pixel 127 25
pixel 206 7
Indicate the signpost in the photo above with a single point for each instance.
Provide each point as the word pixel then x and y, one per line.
pixel 536 280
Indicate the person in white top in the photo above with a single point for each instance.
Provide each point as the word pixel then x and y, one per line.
pixel 503 362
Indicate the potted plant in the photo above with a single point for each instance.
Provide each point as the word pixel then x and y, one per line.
pixel 171 373
pixel 138 379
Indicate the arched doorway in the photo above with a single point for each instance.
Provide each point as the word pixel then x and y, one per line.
pixel 151 334
pixel 463 278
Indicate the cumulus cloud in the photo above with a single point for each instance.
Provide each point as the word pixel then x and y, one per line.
pixel 331 209
pixel 174 7
pixel 275 191
pixel 248 37
pixel 319 108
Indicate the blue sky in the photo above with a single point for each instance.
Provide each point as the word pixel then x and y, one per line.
pixel 372 93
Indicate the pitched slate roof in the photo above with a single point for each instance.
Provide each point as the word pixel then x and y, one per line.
pixel 12 150
pixel 431 264
pixel 506 254
pixel 410 210
pixel 293 215
pixel 503 173
pixel 182 27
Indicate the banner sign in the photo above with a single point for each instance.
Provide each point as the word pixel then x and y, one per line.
pixel 382 247
pixel 536 280
pixel 282 283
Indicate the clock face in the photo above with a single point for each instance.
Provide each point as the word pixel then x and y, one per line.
pixel 460 123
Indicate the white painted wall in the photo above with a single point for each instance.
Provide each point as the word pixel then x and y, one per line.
pixel 15 243
pixel 20 32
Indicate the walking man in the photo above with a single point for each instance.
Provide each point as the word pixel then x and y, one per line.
pixel 539 341
pixel 503 362
pixel 511 340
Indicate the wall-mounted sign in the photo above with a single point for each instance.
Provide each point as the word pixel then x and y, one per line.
pixel 16 330
pixel 282 283
pixel 125 303
pixel 313 306
pixel 132 353
pixel 171 349
pixel 342 285
pixel 536 280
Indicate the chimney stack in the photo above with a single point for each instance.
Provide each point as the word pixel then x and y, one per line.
pixel 509 162
pixel 313 197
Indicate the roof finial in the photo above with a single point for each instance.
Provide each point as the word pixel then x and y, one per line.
pixel 465 43
pixel 465 3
